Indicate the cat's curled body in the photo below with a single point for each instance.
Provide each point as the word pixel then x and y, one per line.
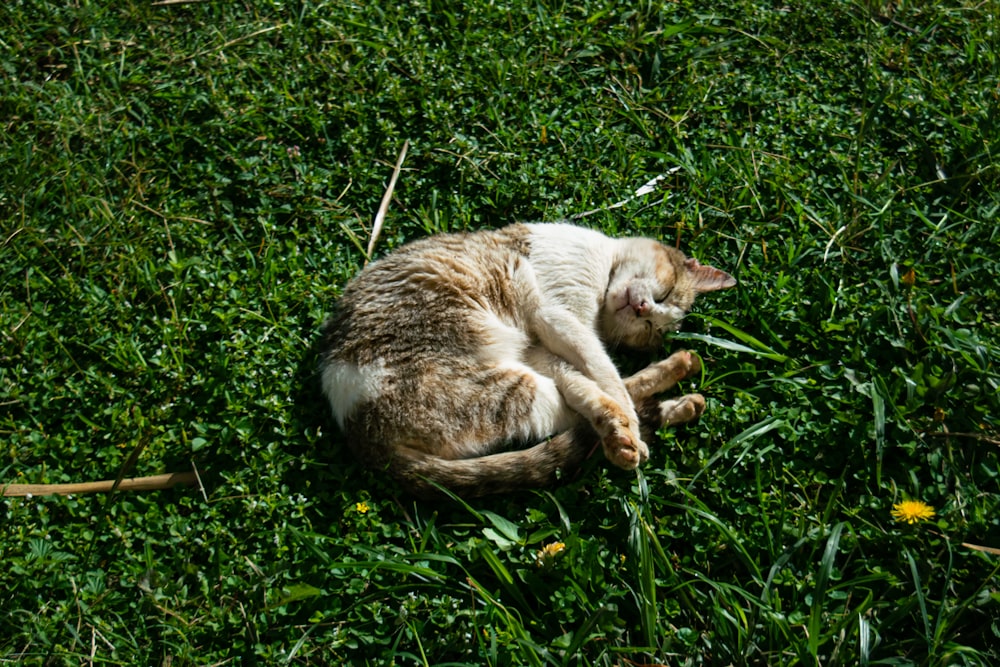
pixel 478 361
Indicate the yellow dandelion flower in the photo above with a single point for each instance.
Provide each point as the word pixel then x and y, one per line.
pixel 912 511
pixel 548 552
pixel 362 508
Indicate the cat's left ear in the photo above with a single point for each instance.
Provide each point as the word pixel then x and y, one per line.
pixel 707 278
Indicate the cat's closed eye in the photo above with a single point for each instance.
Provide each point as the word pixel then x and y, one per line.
pixel 663 299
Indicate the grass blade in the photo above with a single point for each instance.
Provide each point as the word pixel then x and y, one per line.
pixel 921 601
pixel 646 572
pixel 746 436
pixel 767 353
pixel 819 593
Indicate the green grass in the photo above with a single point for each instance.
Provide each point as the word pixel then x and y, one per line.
pixel 186 188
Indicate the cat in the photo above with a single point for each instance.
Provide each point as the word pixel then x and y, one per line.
pixel 478 362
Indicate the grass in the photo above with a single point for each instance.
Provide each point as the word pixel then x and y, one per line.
pixel 185 189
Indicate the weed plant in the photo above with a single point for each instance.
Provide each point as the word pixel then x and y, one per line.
pixel 185 188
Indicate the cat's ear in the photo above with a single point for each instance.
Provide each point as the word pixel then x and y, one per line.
pixel 707 278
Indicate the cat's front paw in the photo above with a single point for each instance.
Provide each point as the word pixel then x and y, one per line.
pixel 624 450
pixel 620 437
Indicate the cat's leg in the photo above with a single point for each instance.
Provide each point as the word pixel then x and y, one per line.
pixel 616 428
pixel 566 337
pixel 659 377
pixel 562 336
pixel 482 411
pixel 663 375
pixel 548 412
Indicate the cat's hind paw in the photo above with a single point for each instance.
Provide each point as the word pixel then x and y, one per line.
pixel 689 363
pixel 662 375
pixel 682 410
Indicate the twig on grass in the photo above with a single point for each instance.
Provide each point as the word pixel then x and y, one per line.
pixel 985 550
pixel 233 42
pixel 152 483
pixel 384 205
pixel 197 478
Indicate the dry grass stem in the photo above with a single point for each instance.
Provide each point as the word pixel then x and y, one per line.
pixel 384 206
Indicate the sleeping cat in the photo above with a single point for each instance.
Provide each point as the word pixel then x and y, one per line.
pixel 478 361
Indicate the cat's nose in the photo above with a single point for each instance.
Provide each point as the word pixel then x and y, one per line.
pixel 641 309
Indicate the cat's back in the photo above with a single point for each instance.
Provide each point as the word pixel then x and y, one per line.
pixel 426 295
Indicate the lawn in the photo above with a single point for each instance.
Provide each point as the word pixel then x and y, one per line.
pixel 186 187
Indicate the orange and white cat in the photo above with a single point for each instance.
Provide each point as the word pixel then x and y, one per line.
pixel 479 361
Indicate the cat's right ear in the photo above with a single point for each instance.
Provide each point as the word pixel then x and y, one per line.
pixel 708 278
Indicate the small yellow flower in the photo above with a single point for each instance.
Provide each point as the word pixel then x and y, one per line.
pixel 362 508
pixel 548 552
pixel 909 278
pixel 912 511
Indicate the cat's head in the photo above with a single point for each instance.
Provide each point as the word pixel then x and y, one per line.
pixel 651 288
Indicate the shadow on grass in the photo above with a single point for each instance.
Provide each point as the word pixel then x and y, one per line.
pixel 329 469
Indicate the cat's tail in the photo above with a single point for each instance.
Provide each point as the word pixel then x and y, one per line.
pixel 547 463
